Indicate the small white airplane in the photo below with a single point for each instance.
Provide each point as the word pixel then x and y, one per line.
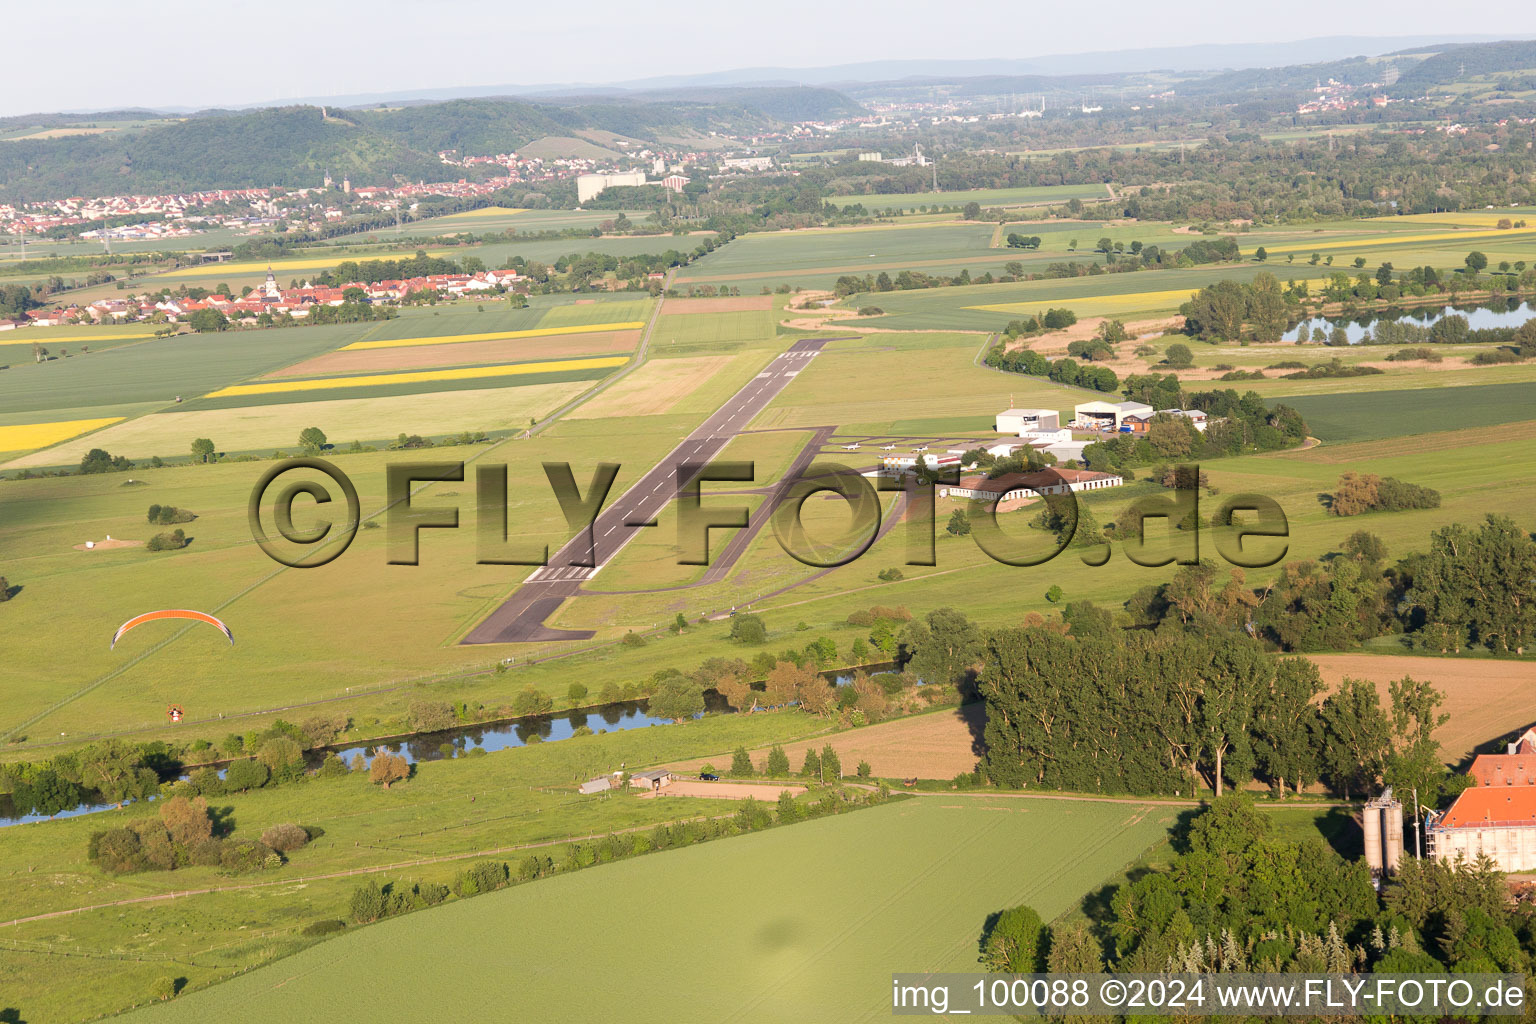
pixel 922 449
pixel 888 448
pixel 850 447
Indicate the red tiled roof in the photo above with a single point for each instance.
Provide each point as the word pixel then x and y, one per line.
pixel 1487 806
pixel 1504 769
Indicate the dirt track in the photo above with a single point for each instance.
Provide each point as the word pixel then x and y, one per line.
pixel 724 790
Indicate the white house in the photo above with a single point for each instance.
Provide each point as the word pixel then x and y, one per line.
pixel 1196 418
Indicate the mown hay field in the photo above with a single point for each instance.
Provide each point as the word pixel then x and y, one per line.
pixel 388 380
pixel 652 389
pixel 431 355
pixel 1132 302
pixel 455 339
pixel 817 946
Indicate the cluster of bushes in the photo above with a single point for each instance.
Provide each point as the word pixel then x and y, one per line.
pixel 1358 493
pixel 1333 368
pixel 173 541
pixel 1496 357
pixel 1404 355
pixel 371 902
pixel 1221 311
pixel 183 834
pixel 169 515
pixel 99 460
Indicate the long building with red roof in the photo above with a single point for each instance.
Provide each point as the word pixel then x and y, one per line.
pixel 1495 817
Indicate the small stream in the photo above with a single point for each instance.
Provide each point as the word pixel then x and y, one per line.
pixel 486 736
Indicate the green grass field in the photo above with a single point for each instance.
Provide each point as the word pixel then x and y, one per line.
pixel 736 936
pixel 1378 414
pixel 453 809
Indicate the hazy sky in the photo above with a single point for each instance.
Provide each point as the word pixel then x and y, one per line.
pixel 98 54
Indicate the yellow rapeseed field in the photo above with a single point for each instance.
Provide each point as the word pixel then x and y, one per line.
pixel 418 376
pixel 1100 304
pixel 27 436
pixel 535 332
pixel 484 211
pixel 45 336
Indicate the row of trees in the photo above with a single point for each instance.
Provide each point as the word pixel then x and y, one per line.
pixel 1171 712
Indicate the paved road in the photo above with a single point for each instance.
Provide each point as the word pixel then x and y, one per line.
pixel 521 618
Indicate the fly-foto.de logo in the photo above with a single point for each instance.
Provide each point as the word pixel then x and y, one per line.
pixel 1170 527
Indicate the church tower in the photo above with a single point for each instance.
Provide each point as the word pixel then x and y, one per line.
pixel 270 288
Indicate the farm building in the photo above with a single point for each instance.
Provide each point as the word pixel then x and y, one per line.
pixel 1494 821
pixel 655 778
pixel 1098 414
pixel 601 784
pixel 1011 489
pixel 1515 767
pixel 1496 816
pixel 1017 421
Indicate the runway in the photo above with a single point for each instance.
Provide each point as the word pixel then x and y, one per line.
pixel 521 618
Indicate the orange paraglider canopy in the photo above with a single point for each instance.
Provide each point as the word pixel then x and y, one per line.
pixel 171 613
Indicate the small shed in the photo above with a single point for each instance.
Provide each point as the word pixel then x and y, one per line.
pixel 597 785
pixel 653 779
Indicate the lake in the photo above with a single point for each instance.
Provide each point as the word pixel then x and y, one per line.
pixel 1504 314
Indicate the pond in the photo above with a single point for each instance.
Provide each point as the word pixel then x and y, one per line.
pixel 1511 313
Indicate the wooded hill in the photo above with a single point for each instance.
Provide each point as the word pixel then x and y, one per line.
pixel 294 146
